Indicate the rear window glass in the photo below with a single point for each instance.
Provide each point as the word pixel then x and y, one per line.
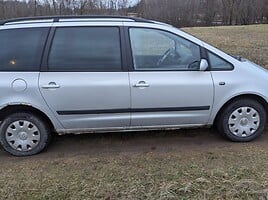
pixel 21 49
pixel 85 49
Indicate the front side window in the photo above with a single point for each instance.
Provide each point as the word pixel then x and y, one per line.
pixel 21 49
pixel 217 63
pixel 154 49
pixel 85 49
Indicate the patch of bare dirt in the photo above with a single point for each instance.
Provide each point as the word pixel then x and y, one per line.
pixel 109 144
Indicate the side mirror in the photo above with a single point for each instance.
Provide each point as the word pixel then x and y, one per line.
pixel 203 65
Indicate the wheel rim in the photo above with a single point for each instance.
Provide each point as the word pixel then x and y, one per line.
pixel 22 135
pixel 244 121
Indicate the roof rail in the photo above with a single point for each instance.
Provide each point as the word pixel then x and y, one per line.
pixel 59 17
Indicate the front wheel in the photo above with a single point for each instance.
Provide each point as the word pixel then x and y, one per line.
pixel 242 120
pixel 24 134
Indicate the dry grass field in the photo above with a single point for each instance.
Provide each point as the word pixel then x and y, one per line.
pixel 183 164
pixel 250 42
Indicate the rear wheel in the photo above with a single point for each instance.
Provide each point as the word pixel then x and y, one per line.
pixel 24 134
pixel 243 120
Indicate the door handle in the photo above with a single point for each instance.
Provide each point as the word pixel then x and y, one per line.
pixel 51 85
pixel 141 84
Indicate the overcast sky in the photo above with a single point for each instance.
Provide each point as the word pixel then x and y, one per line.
pixel 133 2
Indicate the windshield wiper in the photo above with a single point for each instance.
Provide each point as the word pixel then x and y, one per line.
pixel 236 57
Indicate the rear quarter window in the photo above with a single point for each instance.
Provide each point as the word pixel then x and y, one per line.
pixel 21 49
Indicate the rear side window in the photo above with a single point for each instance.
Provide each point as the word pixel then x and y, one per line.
pixel 21 49
pixel 218 63
pixel 85 49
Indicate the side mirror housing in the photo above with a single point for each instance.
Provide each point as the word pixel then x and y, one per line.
pixel 203 65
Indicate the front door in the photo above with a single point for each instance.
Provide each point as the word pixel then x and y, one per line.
pixel 167 88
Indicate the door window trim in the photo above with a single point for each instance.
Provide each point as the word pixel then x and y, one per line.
pixel 130 53
pixel 48 46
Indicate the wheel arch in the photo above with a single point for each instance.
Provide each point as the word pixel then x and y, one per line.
pixel 10 109
pixel 255 97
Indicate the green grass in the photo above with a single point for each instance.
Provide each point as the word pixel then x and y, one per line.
pixel 250 42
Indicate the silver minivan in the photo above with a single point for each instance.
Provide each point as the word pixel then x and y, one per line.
pixel 84 74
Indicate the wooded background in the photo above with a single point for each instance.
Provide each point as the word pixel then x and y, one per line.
pixel 180 13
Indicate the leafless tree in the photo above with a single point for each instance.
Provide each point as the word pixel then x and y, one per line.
pixel 176 12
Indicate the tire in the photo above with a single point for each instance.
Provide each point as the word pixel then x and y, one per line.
pixel 242 121
pixel 24 134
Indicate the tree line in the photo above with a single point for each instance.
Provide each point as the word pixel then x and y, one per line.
pixel 176 12
pixel 205 12
pixel 25 8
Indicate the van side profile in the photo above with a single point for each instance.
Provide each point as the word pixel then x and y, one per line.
pixel 84 74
